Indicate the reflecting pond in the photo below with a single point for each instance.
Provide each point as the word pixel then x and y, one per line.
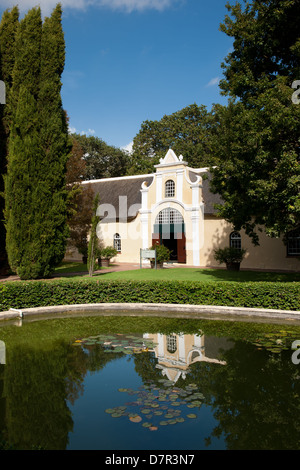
pixel 129 383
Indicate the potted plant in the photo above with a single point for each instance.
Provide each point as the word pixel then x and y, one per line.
pixel 106 254
pixel 232 257
pixel 162 254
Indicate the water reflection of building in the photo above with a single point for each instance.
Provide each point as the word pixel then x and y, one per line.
pixel 176 352
pixel 2 353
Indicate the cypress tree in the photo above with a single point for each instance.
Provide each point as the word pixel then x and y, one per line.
pixel 24 150
pixel 51 192
pixel 35 193
pixel 8 28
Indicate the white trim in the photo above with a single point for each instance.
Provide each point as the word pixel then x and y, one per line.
pixel 159 188
pixel 179 184
pixel 195 217
pixel 118 178
pixel 181 348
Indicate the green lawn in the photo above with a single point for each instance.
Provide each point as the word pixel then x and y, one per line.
pixel 71 267
pixel 184 274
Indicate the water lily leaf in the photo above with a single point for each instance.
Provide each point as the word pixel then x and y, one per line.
pixel 153 428
pixel 135 419
pixel 192 416
pixel 147 425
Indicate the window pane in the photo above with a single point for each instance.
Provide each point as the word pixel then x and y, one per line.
pixel 117 242
pixel 171 343
pixel 235 240
pixel 169 216
pixel 170 188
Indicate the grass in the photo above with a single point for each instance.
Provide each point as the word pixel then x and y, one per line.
pixel 184 274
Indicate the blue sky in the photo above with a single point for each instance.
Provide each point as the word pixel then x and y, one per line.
pixel 128 61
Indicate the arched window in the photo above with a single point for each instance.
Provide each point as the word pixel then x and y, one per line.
pixel 170 188
pixel 169 216
pixel 235 240
pixel 117 242
pixel 293 243
pixel 171 343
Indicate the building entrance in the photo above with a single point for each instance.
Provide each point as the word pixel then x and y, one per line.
pixel 169 230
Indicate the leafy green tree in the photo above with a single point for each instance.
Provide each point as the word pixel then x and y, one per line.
pixel 256 137
pixel 102 160
pixel 8 28
pixel 186 131
pixel 35 192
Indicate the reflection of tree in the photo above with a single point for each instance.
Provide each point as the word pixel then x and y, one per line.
pixel 255 399
pixel 37 385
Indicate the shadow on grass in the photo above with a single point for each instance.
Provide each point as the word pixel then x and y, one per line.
pixel 249 276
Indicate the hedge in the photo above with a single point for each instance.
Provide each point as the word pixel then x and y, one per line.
pixel 270 295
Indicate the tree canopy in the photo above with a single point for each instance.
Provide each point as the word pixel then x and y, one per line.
pixel 186 131
pixel 256 137
pixel 101 160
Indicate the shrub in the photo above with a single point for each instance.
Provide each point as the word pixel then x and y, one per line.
pixel 270 295
pixel 162 253
pixel 108 252
pixel 229 255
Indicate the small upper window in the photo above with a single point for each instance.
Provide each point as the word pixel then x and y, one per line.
pixel 170 188
pixel 293 243
pixel 117 242
pixel 171 343
pixel 235 240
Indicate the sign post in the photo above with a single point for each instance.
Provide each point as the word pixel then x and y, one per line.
pixel 147 254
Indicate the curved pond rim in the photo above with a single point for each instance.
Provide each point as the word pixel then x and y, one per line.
pixel 155 309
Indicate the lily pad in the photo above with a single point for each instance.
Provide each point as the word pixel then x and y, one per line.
pixel 192 416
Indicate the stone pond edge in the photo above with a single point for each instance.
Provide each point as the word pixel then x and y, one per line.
pixel 151 309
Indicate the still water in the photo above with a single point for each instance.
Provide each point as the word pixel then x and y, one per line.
pixel 140 384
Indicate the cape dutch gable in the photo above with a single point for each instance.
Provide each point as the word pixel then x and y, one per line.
pixel 175 207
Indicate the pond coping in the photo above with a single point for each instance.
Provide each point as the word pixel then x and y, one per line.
pixel 155 309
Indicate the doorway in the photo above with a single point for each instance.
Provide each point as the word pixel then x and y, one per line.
pixel 169 230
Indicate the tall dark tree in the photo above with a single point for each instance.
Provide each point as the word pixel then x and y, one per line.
pixel 35 192
pixel 24 147
pixel 51 193
pixel 8 28
pixel 257 137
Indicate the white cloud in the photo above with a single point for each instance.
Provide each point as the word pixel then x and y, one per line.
pixel 128 147
pixel 73 130
pixel 213 81
pixel 122 5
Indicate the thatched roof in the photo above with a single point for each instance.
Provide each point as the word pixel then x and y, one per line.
pixel 113 191
pixel 209 198
pixel 125 192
